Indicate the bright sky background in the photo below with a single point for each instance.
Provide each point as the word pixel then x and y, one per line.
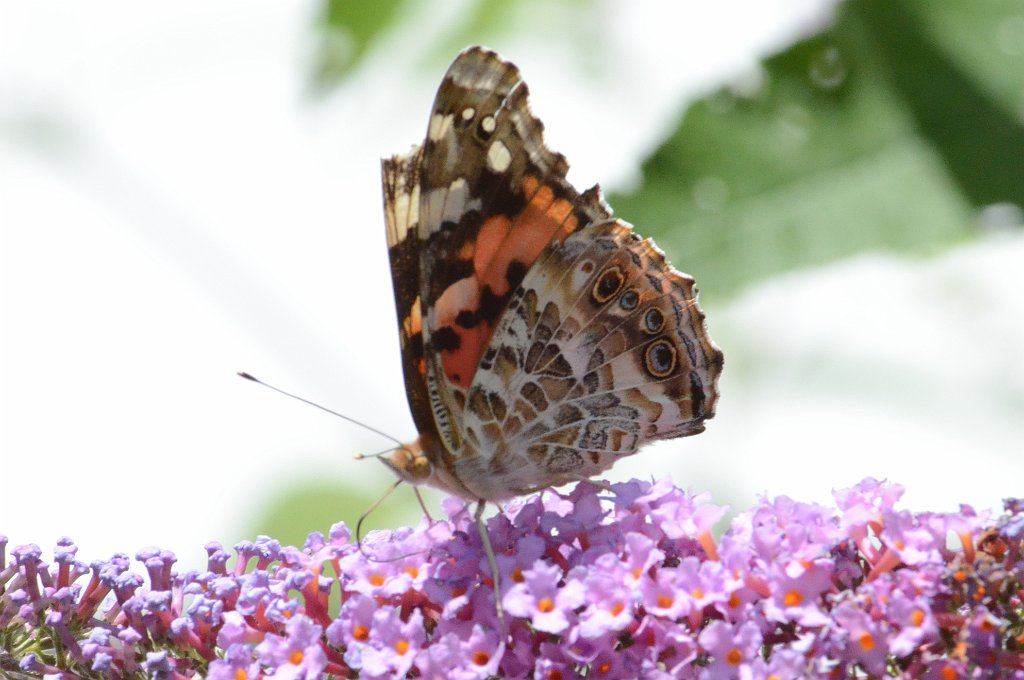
pixel 174 207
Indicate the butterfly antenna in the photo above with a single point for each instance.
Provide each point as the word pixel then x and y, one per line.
pixel 249 376
pixel 378 454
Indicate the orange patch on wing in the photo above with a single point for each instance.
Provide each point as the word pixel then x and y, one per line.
pixel 459 364
pixel 413 322
pixel 545 219
pixel 489 241
pixel 412 326
pixel 502 240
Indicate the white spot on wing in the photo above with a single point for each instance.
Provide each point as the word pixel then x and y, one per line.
pixel 488 124
pixel 498 157
pixel 406 211
pixel 447 205
pixel 440 124
pixel 468 113
pixel 463 294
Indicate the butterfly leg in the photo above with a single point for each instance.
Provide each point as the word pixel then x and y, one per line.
pixel 493 564
pixel 362 517
pixel 599 483
pixel 423 506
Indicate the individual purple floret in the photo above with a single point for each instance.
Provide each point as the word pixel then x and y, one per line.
pixel 626 582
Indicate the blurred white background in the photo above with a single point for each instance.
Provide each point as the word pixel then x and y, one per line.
pixel 175 206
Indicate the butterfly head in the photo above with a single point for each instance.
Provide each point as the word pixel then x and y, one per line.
pixel 423 462
pixel 410 463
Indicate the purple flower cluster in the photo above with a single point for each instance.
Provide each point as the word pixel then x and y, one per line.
pixel 624 583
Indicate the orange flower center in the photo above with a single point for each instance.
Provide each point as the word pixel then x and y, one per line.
pixel 793 599
pixel 412 571
pixel 296 657
pixel 402 646
pixel 917 618
pixel 546 605
pixel 697 593
pixel 734 657
pixel 664 601
pixel 361 633
pixel 866 641
pixel 376 580
pixel 948 673
pixel 481 658
pixel 517 575
pixel 617 608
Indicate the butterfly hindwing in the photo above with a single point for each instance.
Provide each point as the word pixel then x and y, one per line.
pixel 602 350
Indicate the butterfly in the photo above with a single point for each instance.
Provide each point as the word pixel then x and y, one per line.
pixel 542 339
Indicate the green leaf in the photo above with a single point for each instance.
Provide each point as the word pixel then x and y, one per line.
pixel 979 137
pixel 346 29
pixel 833 154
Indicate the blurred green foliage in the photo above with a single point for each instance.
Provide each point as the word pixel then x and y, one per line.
pixel 348 27
pixel 975 128
pixel 869 136
pixel 309 504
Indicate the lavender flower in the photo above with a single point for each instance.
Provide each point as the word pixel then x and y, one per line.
pixel 622 584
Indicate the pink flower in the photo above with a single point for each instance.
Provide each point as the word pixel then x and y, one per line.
pixel 393 644
pixel 796 594
pixel 914 621
pixel 594 584
pixel 539 598
pixel 610 597
pixel 664 597
pixel 296 655
pixel 731 648
pixel 866 640
pixel 475 657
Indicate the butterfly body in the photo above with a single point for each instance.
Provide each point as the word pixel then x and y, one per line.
pixel 542 339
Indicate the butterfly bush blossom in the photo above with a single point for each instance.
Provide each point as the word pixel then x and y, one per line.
pixel 624 583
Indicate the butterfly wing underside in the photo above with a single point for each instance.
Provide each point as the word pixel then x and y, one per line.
pixel 400 175
pixel 541 339
pixel 602 349
pixel 467 215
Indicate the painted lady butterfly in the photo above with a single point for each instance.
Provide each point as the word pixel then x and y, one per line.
pixel 542 340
